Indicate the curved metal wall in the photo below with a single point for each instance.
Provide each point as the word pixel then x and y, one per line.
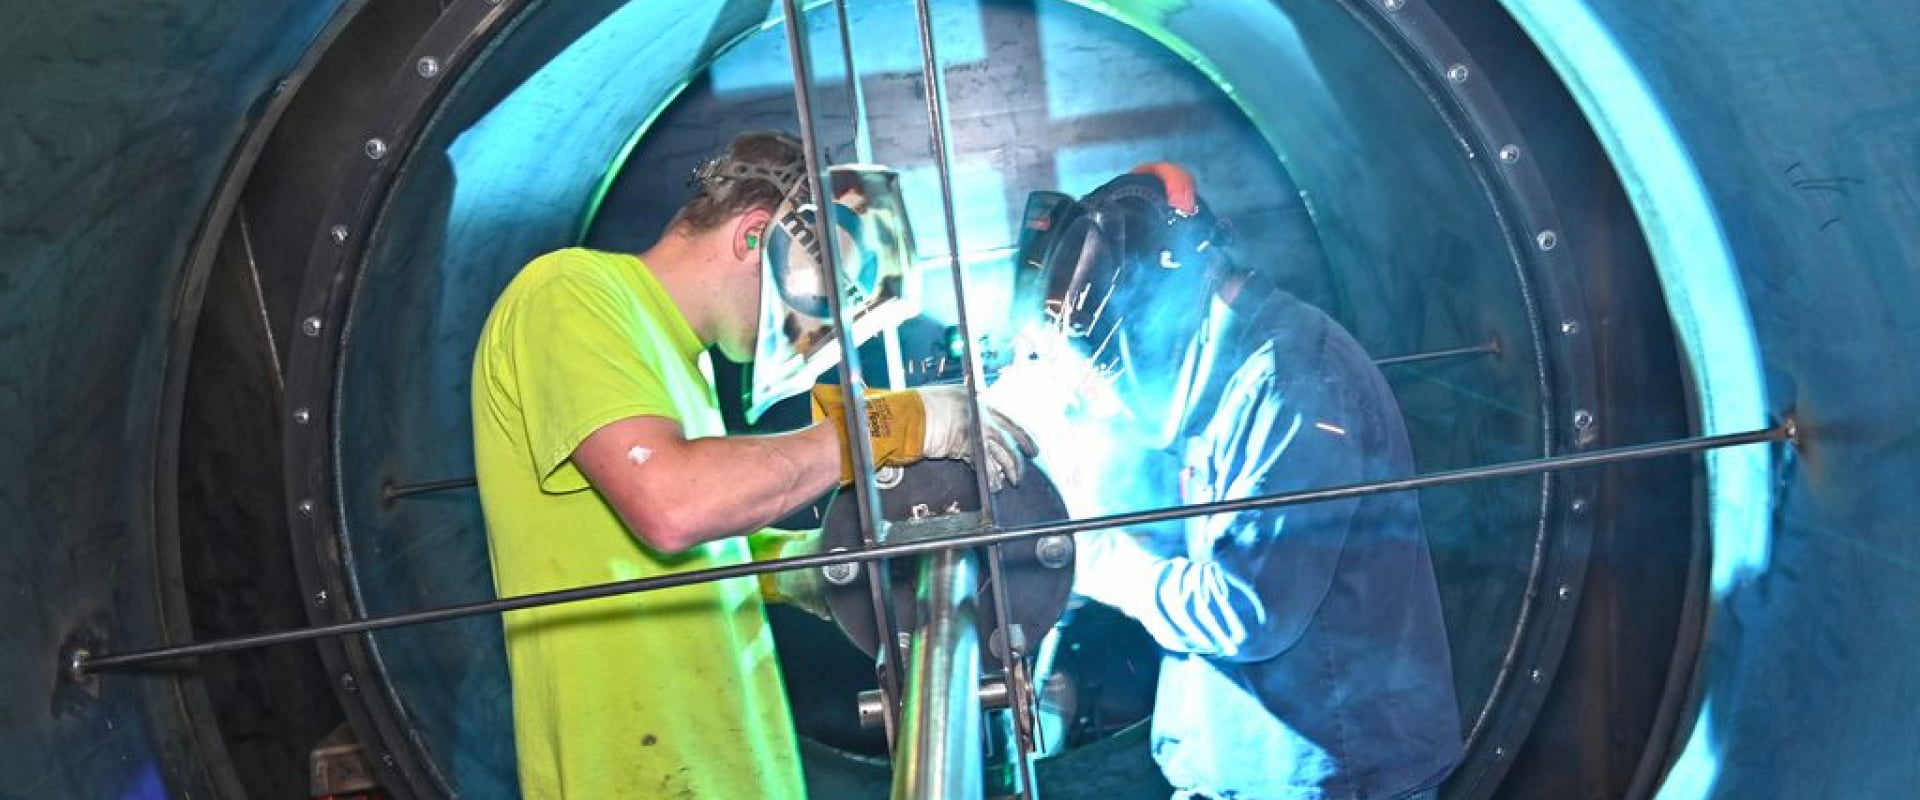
pixel 468 170
pixel 1801 174
pixel 1792 154
pixel 118 131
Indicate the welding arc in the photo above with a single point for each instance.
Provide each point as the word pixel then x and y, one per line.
pixel 79 664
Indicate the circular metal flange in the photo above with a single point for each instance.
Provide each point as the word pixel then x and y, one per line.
pixel 1410 28
pixel 452 42
pixel 1038 572
pixel 1465 94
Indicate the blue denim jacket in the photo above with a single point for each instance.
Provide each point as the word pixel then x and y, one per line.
pixel 1306 656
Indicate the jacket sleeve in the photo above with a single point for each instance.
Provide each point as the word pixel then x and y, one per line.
pixel 1249 582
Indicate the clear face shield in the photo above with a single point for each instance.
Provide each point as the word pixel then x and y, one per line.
pixel 874 250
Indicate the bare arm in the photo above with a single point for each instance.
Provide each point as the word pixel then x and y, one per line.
pixel 675 493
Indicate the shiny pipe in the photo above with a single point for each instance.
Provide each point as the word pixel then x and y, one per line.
pixel 934 81
pixel 939 752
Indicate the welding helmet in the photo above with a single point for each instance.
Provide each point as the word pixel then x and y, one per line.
pixel 873 250
pixel 1124 278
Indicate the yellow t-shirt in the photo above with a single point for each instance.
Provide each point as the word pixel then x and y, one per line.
pixel 667 694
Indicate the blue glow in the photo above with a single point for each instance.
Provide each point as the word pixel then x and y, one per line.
pixel 1046 369
pixel 980 210
pixel 146 784
pixel 1698 767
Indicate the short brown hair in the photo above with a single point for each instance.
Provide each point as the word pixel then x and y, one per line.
pixel 756 171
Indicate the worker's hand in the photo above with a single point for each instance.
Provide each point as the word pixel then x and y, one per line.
pixel 804 589
pixel 1112 567
pixel 1179 183
pixel 896 424
pixel 1008 445
pixel 908 426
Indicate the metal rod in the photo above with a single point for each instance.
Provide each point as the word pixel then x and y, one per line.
pixel 934 85
pixel 859 445
pixel 933 81
pixel 863 153
pixel 856 93
pixel 1594 458
pixel 1492 347
pixel 940 753
pixel 994 696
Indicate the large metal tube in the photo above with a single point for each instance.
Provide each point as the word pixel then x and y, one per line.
pixel 939 754
pixel 110 239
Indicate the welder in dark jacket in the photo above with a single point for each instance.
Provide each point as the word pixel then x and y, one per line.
pixel 1305 653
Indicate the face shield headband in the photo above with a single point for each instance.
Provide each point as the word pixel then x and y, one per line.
pixel 873 250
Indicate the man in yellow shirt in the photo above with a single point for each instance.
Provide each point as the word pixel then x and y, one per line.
pixel 601 456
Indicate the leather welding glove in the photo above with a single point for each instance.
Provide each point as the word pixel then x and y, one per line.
pixel 804 589
pixel 916 424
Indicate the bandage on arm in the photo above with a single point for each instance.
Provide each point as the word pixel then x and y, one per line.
pixel 684 492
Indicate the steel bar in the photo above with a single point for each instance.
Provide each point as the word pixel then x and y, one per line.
pixel 1490 348
pixel 933 82
pixel 994 696
pixel 859 444
pixel 863 153
pixel 940 754
pixel 856 93
pixel 1595 458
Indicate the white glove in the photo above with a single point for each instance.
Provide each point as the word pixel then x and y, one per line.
pixel 1113 568
pixel 1008 445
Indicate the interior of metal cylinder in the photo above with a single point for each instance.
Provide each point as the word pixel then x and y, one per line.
pixel 1326 134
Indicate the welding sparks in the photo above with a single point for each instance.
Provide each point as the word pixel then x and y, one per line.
pixel 1067 400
